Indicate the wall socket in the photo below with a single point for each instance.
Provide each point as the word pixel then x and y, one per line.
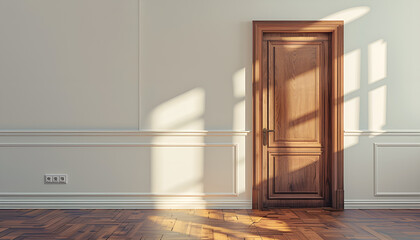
pixel 55 178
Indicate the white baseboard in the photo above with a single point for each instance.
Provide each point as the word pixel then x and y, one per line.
pixel 122 204
pixel 381 204
pixel 178 204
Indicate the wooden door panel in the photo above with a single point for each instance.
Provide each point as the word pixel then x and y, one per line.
pixel 295 175
pixel 296 82
pixel 295 96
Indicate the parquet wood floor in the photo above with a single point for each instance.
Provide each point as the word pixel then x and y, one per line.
pixel 210 224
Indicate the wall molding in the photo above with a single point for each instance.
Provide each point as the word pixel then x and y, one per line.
pixel 235 168
pixel 111 194
pixel 376 147
pixel 381 204
pixel 31 203
pixel 235 174
pixel 118 144
pixel 382 133
pixel 144 133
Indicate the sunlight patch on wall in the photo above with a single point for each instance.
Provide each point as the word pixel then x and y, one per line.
pixel 239 120
pixel 377 61
pixel 239 83
pixel 182 112
pixel 239 88
pixel 349 15
pixel 352 113
pixel 351 120
pixel 352 71
pixel 197 124
pixel 350 141
pixel 239 116
pixel 177 170
pixel 377 108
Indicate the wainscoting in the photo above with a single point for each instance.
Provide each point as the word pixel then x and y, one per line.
pixel 174 169
pixel 147 169
pixel 381 169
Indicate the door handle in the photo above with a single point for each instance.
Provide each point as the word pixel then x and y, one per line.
pixel 265 135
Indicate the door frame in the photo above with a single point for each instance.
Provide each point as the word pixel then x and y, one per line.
pixel 336 105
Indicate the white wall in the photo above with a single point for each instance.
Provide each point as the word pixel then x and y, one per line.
pixel 69 64
pixel 167 127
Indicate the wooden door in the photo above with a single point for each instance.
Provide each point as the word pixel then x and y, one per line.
pixel 298 114
pixel 295 120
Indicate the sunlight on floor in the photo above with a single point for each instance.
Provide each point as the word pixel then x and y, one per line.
pixel 196 223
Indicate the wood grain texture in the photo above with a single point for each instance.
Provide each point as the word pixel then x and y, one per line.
pixel 297 93
pixel 295 101
pixel 287 171
pixel 328 139
pixel 309 224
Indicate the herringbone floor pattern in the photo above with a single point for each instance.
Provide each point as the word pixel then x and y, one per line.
pixel 210 224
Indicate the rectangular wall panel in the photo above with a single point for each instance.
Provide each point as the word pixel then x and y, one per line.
pixel 397 169
pixel 381 169
pixel 113 168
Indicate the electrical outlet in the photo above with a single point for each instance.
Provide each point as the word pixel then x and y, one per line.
pixel 55 178
pixel 63 178
pixel 48 179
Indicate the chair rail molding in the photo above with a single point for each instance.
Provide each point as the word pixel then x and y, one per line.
pixel 394 132
pixel 144 133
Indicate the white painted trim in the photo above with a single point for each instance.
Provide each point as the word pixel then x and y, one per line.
pixel 115 145
pixel 397 144
pixel 143 133
pixel 111 194
pixel 376 170
pixel 382 133
pixel 235 162
pixel 381 204
pixel 124 204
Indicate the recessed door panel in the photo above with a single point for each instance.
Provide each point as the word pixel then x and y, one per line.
pixel 295 175
pixel 295 96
